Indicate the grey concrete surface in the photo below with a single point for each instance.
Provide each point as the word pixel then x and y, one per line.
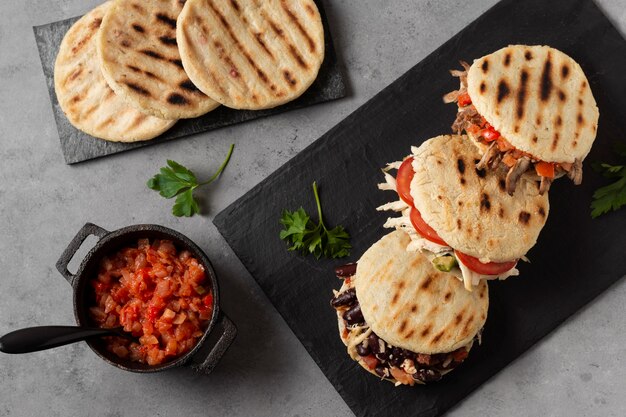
pixel 579 370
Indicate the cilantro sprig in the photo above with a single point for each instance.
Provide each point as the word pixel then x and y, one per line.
pixel 613 196
pixel 175 180
pixel 304 236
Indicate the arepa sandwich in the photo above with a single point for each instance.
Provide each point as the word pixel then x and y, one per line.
pixel 528 109
pixel 403 320
pixel 462 217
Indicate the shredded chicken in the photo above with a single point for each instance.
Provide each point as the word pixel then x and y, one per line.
pixel 576 172
pixel 544 186
pixel 515 173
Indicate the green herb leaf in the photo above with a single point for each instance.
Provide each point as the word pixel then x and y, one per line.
pixel 613 196
pixel 306 237
pixel 175 180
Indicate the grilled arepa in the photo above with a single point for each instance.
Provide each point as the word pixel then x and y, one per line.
pixel 139 58
pixel 251 54
pixel 84 95
pixel 459 211
pixel 529 107
pixel 403 320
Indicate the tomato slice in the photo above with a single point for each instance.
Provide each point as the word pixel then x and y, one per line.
pixel 403 181
pixel 491 268
pixel 545 169
pixel 424 229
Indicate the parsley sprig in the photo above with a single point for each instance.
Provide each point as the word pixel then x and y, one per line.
pixel 612 196
pixel 304 236
pixel 175 180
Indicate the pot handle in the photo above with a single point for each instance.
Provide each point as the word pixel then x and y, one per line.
pixel 87 230
pixel 220 338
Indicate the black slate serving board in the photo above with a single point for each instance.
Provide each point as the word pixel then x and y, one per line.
pixel 78 146
pixel 575 259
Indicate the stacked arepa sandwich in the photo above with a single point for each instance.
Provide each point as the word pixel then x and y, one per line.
pixel 469 209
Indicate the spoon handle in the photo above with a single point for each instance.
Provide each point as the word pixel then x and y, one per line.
pixel 33 339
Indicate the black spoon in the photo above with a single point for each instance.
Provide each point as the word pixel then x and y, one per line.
pixel 34 339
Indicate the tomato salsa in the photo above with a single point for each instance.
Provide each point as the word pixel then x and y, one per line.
pixel 158 294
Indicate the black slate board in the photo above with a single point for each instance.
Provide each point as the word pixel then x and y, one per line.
pixel 78 146
pixel 575 259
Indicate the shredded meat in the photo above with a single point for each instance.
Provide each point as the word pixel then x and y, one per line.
pixel 488 158
pixel 515 173
pixel 576 172
pixel 466 117
pixel 544 186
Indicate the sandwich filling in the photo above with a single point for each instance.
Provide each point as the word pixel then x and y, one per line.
pixel 401 366
pixel 425 239
pixel 499 152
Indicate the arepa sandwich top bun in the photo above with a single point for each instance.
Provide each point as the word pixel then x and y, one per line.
pixel 530 108
pixel 462 215
pixel 403 320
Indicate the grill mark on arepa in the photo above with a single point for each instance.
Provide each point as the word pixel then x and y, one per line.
pixel 177 62
pixel 485 66
pixel 459 224
pixel 163 18
pixel 152 54
pixel 481 173
pixel 138 8
pixel 426 331
pixel 292 49
pixel 459 318
pixel 483 87
pixel 502 184
pixel 460 164
pixel 402 326
pixel 541 211
pixel 437 337
pixel 524 217
pixel 292 81
pixel 137 120
pixel 528 55
pixel 521 94
pixel 296 22
pixel 256 68
pixel 426 284
pixel 257 36
pixel 409 334
pixel 503 90
pixel 467 324
pixel 310 10
pixel 507 59
pixel 76 99
pixel 485 204
pixel 168 41
pixel 546 79
pixel 138 89
pixel 564 71
pixel 189 86
pixel 138 28
pixel 75 74
pixel 177 99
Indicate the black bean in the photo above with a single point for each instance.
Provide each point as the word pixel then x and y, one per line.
pixel 427 375
pixel 372 342
pixel 346 270
pixel 363 350
pixel 408 354
pixel 354 315
pixel 382 371
pixel 383 355
pixel 344 299
pixel 397 357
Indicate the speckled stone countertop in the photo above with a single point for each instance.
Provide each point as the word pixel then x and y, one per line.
pixel 579 370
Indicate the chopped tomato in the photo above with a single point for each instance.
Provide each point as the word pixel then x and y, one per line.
pixel 401 376
pixel 545 169
pixel 370 361
pixel 491 268
pixel 208 300
pixel 459 355
pixel 509 160
pixel 464 100
pixel 403 181
pixel 503 145
pixel 424 229
pixel 474 129
pixel 490 134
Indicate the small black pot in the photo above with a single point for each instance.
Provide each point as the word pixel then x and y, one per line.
pixel 220 332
